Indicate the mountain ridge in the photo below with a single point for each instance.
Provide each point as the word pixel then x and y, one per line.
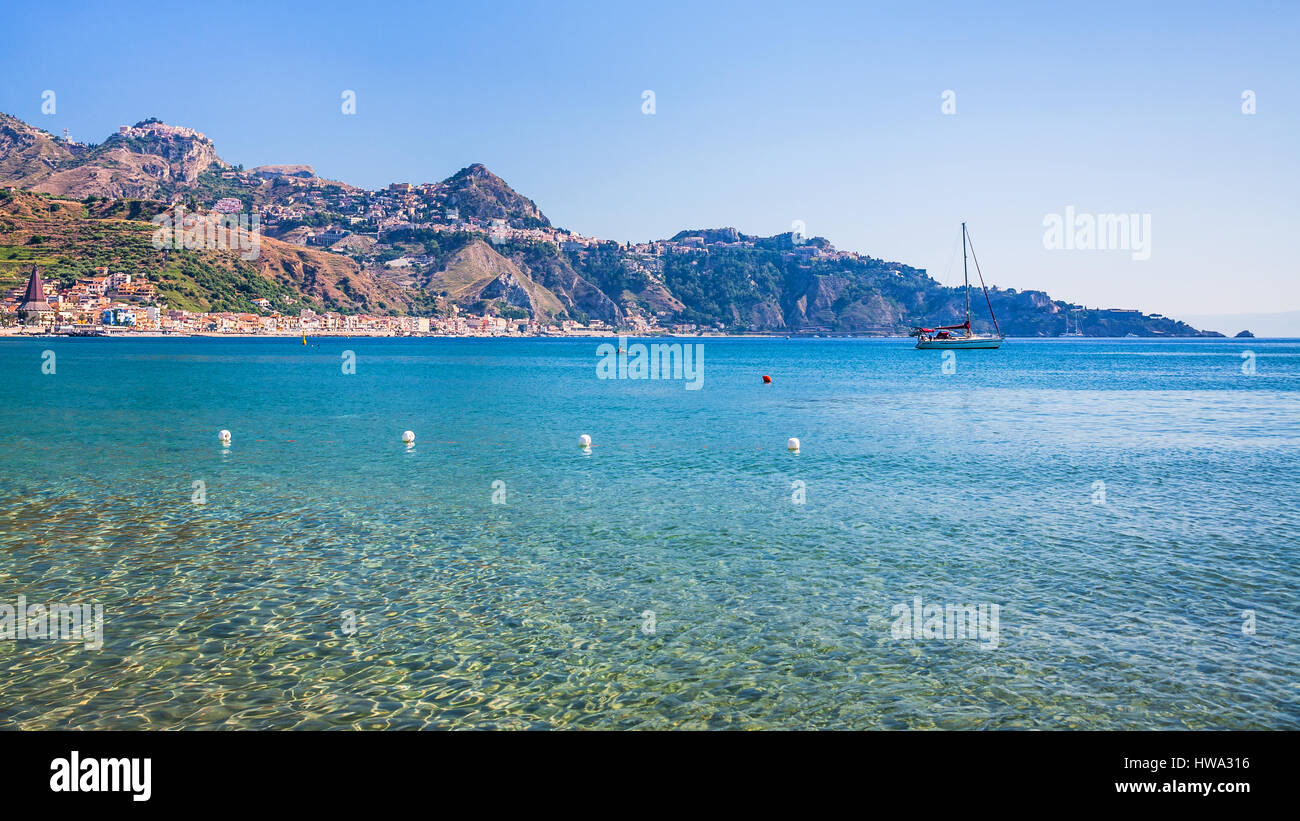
pixel 473 242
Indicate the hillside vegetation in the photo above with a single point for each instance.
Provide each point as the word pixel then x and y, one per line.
pixel 70 238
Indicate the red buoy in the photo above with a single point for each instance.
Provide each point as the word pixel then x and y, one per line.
pixel 767 380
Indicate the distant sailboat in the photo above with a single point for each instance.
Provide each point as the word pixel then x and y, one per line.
pixel 1077 331
pixel 940 337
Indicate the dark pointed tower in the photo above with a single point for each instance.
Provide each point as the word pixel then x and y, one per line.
pixel 34 309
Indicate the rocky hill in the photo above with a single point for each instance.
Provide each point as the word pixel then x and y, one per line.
pixel 150 160
pixel 477 274
pixel 476 192
pixel 773 284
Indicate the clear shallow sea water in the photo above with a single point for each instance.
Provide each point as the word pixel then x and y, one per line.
pixel 973 487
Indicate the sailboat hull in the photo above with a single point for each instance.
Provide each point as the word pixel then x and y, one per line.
pixel 962 343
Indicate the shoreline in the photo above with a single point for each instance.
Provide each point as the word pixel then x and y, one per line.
pixel 118 334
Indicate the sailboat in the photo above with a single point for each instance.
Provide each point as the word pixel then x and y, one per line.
pixel 942 337
pixel 1077 331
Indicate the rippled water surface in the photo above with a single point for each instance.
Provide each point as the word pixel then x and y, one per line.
pixel 980 486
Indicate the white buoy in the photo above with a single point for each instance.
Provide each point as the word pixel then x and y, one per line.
pixel 224 436
pixel 792 445
pixel 408 437
pixel 584 442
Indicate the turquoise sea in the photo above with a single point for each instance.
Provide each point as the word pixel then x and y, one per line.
pixel 1132 506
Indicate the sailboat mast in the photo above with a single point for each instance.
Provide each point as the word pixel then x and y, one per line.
pixel 964 274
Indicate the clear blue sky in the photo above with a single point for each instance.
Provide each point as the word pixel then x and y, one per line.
pixel 766 114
